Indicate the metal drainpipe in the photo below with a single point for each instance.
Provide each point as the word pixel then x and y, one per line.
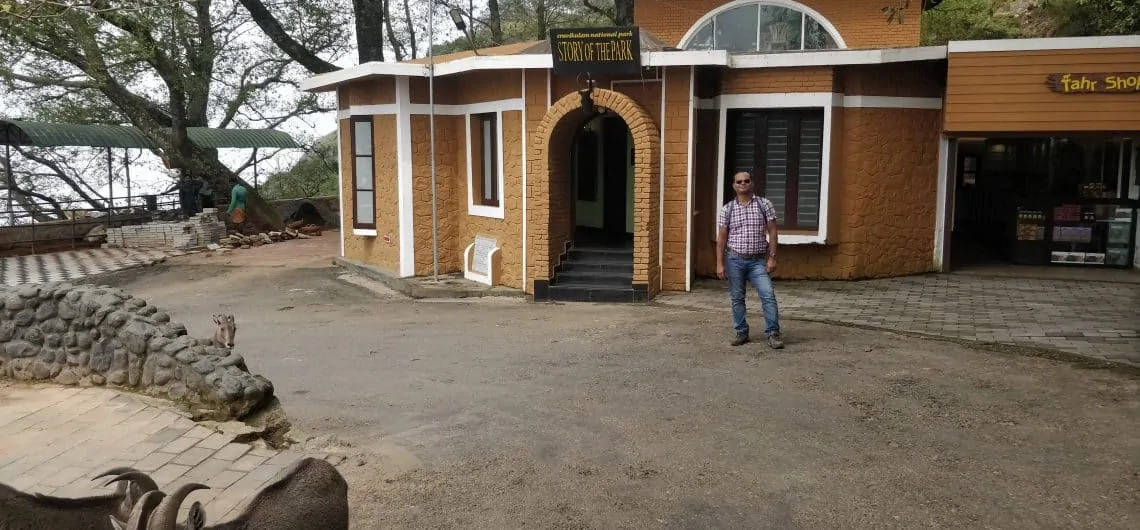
pixel 431 128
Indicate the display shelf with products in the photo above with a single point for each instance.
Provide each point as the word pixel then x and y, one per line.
pixel 1082 232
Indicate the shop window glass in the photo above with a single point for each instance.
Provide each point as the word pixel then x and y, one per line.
pixel 761 27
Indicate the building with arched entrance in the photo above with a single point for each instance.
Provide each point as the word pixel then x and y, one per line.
pixel 606 187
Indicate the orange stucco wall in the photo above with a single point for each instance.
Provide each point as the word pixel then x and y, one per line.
pixel 367 249
pixel 647 94
pixel 377 91
pixel 883 173
pixel 861 23
pixel 457 228
pixel 779 80
pixel 469 87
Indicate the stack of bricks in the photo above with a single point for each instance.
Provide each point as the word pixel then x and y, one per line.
pixel 198 231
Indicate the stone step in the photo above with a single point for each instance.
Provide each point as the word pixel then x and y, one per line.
pixel 599 253
pixel 588 277
pixel 624 266
pixel 595 293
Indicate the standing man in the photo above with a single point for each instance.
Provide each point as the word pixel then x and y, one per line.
pixel 236 210
pixel 747 235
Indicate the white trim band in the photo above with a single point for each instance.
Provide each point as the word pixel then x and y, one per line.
pixel 816 99
pixel 479 210
pixel 500 105
pixel 1043 44
pixel 836 57
pixel 327 82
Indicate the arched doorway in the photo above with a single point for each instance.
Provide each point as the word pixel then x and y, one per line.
pixel 551 200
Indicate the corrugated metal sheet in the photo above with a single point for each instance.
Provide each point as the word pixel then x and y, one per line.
pixel 239 138
pixel 42 134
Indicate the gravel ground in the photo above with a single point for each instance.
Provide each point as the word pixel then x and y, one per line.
pixel 506 414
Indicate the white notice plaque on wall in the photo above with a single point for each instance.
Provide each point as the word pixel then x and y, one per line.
pixel 481 260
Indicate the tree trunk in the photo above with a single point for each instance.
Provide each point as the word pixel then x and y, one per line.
pixel 495 22
pixel 204 164
pixel 623 13
pixel 411 30
pixel 369 30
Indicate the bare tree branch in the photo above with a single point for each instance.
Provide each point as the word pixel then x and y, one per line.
pixel 272 28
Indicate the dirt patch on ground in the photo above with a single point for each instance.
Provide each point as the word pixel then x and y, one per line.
pixel 493 414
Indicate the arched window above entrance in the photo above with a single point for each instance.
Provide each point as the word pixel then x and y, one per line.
pixel 763 26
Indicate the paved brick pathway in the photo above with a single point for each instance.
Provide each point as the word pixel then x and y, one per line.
pixel 74 264
pixel 54 439
pixel 1095 319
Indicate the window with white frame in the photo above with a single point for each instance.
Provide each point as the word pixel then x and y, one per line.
pixel 762 26
pixel 783 149
pixel 485 153
pixel 363 173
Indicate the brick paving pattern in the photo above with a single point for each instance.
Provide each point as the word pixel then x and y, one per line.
pixel 55 439
pixel 1100 320
pixel 75 264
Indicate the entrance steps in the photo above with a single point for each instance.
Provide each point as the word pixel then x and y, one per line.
pixel 596 273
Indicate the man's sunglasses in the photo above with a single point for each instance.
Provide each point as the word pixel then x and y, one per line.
pixel 744 181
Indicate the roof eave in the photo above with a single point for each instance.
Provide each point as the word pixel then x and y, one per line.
pixel 837 57
pixel 328 82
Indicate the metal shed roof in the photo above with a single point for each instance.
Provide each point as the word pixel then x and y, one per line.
pixel 44 134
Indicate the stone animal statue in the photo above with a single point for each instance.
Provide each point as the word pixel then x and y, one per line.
pixel 146 514
pixel 308 495
pixel 24 511
pixel 227 328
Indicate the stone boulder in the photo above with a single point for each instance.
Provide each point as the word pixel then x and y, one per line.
pixel 98 335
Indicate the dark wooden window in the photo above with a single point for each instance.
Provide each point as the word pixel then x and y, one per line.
pixel 363 173
pixel 783 149
pixel 484 159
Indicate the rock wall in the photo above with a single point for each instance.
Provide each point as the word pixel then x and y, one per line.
pixel 97 335
pixel 325 207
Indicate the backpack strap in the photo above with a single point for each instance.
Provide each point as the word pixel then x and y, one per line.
pixel 728 215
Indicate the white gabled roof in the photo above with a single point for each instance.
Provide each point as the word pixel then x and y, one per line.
pixel 542 61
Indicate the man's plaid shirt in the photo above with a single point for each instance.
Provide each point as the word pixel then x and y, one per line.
pixel 748 227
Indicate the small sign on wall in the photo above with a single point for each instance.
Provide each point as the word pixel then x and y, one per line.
pixel 481 260
pixel 598 51
pixel 1100 83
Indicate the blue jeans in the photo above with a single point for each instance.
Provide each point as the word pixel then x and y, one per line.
pixel 739 270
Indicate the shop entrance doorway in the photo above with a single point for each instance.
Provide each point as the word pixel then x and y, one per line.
pixel 1044 201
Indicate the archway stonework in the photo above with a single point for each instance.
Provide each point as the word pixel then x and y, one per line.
pixel 550 203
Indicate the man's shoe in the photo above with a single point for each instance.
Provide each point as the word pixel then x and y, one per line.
pixel 774 341
pixel 741 338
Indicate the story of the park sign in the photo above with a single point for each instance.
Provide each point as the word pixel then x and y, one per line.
pixel 597 51
pixel 1098 83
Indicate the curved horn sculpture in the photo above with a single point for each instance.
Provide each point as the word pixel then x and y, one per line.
pixel 165 517
pixel 142 479
pixel 144 508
